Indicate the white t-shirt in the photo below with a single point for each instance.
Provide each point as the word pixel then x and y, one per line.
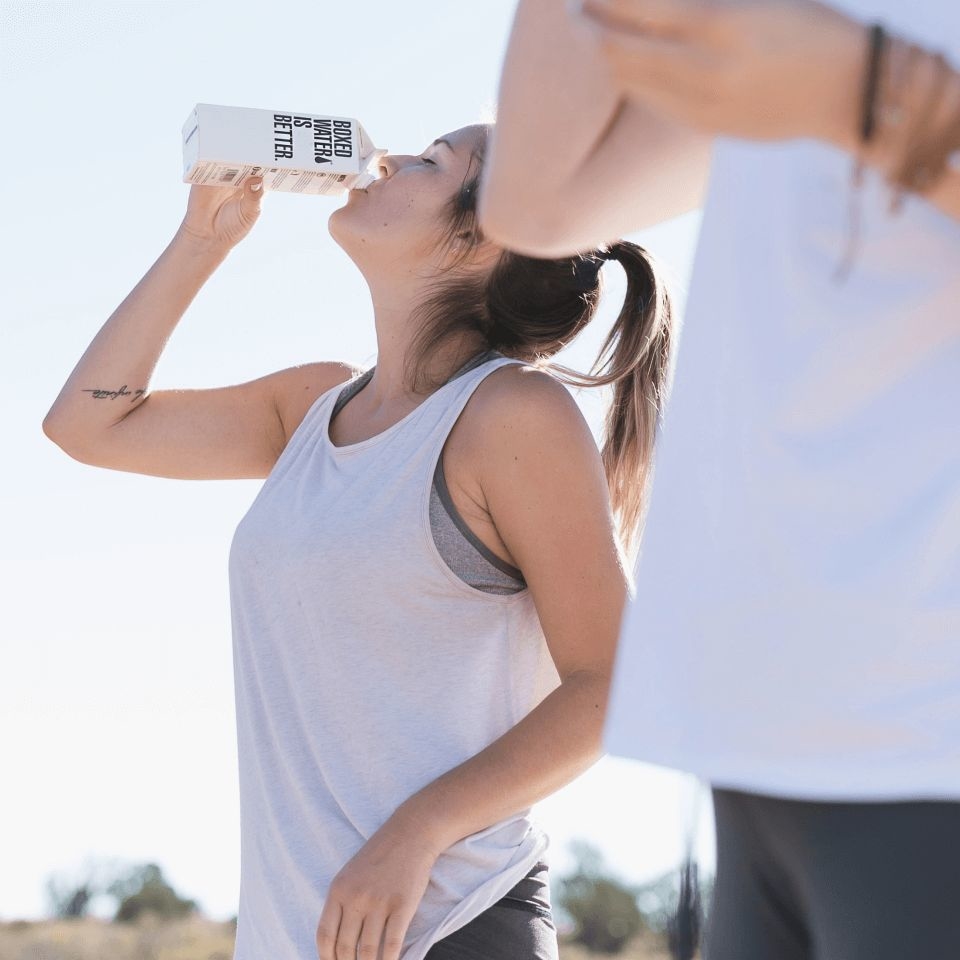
pixel 796 628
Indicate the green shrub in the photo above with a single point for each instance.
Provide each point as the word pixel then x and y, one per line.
pixel 145 889
pixel 604 910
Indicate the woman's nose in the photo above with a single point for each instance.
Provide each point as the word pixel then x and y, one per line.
pixel 391 163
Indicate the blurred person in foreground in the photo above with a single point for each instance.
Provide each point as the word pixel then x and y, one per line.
pixel 795 635
pixel 427 589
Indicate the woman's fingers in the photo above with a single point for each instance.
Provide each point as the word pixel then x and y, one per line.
pixel 653 65
pixel 673 17
pixel 351 921
pixel 604 14
pixel 349 934
pixel 642 57
pixel 239 211
pixel 393 935
pixel 668 73
pixel 371 934
pixel 327 930
pixel 377 893
pixel 251 199
pixel 223 214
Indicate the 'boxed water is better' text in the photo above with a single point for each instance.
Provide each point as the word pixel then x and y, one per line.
pixel 293 152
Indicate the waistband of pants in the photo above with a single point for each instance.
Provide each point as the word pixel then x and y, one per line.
pixel 531 893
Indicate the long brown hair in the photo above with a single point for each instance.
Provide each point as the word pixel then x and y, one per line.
pixel 530 308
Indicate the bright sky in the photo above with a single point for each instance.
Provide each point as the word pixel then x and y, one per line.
pixel 116 698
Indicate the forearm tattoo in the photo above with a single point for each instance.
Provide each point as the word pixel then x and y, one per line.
pixel 101 394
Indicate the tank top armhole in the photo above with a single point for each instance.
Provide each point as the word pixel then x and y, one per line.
pixel 432 488
pixel 440 482
pixel 306 427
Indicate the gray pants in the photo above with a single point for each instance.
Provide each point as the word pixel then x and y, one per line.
pixel 517 927
pixel 834 881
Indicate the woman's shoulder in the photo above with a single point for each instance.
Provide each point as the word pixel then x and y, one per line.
pixel 522 411
pixel 524 393
pixel 296 389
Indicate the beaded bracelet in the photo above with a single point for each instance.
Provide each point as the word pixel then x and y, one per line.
pixel 900 124
pixel 877 46
pixel 920 149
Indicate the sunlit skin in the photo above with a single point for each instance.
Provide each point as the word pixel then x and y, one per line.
pixel 758 70
pixel 522 466
pixel 651 84
pixel 390 231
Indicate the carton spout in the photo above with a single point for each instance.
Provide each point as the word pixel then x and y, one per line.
pixel 368 162
pixel 369 154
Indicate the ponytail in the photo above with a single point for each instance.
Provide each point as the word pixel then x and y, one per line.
pixel 635 359
pixel 530 308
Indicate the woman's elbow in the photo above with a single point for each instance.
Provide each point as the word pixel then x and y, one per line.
pixel 58 432
pixel 51 428
pixel 528 225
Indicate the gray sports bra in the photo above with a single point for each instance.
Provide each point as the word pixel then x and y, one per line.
pixel 462 550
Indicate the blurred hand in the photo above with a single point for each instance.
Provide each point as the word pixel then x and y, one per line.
pixel 375 896
pixel 222 216
pixel 756 69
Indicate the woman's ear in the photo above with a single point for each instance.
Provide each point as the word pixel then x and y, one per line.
pixel 461 242
pixel 483 255
pixel 468 247
pixel 487 253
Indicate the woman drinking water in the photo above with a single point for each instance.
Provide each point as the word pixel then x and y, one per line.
pixel 426 591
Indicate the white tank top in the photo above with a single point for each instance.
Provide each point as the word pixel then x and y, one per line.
pixel 365 669
pixel 796 627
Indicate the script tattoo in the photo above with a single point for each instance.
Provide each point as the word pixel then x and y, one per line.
pixel 101 394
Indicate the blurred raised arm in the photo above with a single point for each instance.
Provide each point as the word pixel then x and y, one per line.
pixel 573 163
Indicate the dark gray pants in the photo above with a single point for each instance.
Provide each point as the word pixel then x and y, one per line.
pixel 517 927
pixel 834 881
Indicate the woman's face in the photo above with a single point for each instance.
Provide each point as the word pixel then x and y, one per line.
pixel 399 219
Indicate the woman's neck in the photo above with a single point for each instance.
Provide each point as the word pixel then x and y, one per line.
pixel 395 306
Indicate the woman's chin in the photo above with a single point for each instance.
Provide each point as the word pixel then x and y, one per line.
pixel 347 233
pixel 338 223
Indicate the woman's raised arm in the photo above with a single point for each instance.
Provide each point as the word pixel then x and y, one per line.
pixel 572 163
pixel 105 415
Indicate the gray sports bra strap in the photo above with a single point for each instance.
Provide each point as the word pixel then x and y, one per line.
pixel 350 390
pixel 355 386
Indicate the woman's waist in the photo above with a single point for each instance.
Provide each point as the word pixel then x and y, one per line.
pixel 531 893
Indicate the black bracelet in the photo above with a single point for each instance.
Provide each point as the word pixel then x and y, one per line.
pixel 868 115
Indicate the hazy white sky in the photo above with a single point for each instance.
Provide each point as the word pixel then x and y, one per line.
pixel 116 697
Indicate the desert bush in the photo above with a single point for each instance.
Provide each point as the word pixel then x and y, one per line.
pixel 145 890
pixel 603 908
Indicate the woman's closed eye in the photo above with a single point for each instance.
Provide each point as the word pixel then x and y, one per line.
pixel 428 160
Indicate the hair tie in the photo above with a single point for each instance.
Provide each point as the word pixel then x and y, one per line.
pixel 586 271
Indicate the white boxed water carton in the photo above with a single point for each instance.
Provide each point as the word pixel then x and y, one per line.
pixel 293 152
